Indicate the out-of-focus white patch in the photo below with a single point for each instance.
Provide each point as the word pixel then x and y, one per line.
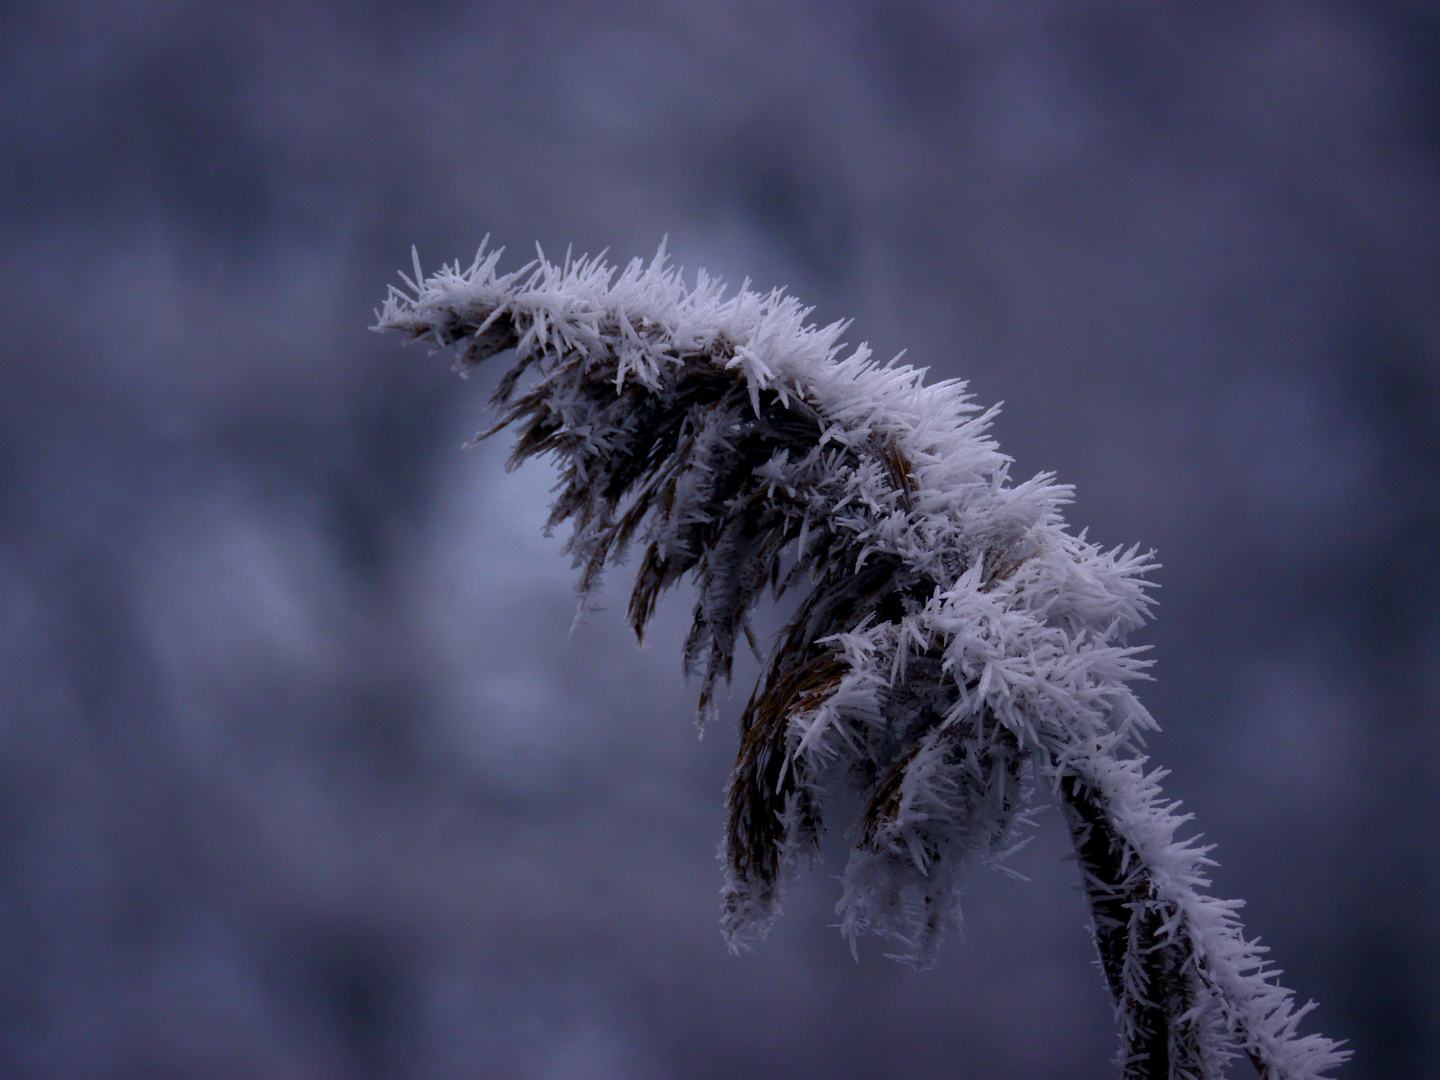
pixel 524 701
pixel 238 596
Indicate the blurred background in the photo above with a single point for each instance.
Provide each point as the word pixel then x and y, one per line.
pixel 300 775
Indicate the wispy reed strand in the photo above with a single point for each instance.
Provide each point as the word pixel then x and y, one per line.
pixel 956 652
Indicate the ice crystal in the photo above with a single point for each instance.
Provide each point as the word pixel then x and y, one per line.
pixel 955 653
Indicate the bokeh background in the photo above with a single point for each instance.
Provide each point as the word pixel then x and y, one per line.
pixel 300 774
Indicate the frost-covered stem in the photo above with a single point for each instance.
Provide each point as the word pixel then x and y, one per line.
pixel 955 647
pixel 1160 1028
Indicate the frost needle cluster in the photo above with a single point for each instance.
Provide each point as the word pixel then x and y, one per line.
pixel 955 652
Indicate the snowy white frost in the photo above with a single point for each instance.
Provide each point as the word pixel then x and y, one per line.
pixel 955 653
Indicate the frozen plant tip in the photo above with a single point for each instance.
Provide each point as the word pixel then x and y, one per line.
pixel 954 652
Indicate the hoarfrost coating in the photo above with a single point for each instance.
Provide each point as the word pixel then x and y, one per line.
pixel 954 650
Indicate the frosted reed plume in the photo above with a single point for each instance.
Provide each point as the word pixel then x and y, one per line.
pixel 955 654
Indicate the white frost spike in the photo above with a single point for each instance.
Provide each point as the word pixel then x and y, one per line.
pixel 955 650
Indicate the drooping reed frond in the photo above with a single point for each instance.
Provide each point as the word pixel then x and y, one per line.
pixel 955 649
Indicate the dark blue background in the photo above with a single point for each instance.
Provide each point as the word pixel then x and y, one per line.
pixel 299 773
